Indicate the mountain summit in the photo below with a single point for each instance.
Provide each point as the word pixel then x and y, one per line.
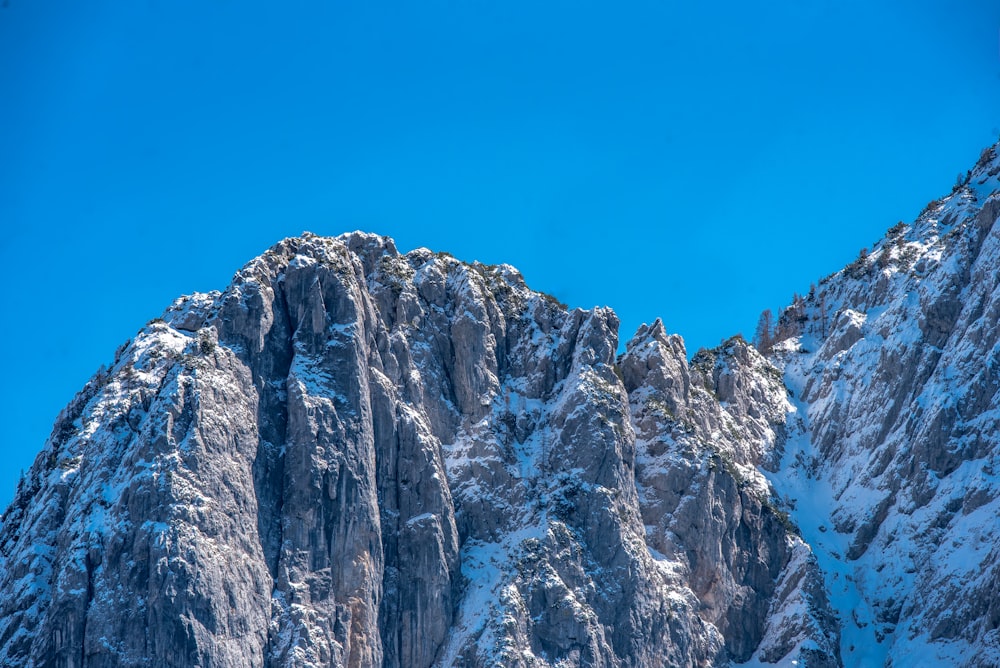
pixel 356 457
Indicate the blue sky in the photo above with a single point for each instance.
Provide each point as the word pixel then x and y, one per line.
pixel 694 162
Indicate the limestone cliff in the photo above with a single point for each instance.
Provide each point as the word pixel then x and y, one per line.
pixel 356 457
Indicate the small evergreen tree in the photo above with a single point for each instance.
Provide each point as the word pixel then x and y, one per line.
pixel 764 336
pixel 821 311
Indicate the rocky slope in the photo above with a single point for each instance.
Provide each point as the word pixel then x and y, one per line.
pixel 892 458
pixel 355 457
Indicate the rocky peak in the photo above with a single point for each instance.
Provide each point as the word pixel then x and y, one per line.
pixel 655 359
pixel 357 457
pixel 353 456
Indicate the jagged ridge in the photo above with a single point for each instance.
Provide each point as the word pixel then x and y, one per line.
pixel 893 363
pixel 356 457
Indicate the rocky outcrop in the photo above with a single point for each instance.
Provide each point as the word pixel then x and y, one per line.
pixel 703 432
pixel 354 457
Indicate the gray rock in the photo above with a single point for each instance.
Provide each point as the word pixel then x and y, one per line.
pixel 350 457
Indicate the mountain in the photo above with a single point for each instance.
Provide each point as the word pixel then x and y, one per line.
pixel 356 457
pixel 893 373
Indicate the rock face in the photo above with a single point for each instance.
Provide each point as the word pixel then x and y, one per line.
pixel 893 366
pixel 355 457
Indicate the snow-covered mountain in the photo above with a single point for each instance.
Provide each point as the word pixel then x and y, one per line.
pixel 355 457
pixel 891 458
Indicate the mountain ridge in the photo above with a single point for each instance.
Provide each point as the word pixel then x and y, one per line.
pixel 353 456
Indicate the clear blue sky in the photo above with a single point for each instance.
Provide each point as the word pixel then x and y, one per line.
pixel 693 161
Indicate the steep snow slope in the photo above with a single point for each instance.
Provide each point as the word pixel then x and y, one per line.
pixel 891 461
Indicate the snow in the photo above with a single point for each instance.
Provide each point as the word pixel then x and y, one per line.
pixel 421 518
pixel 813 502
pixel 314 381
pixel 485 569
